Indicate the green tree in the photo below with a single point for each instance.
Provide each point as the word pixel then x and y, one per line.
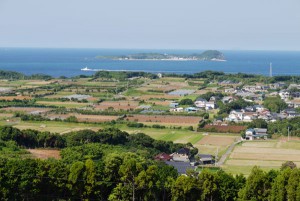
pixel 256 187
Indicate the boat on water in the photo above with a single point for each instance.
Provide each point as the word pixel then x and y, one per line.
pixel 86 69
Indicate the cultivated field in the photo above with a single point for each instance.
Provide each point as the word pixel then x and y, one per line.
pixel 10 98
pixel 26 109
pixel 165 119
pixel 117 105
pixel 266 154
pixel 215 143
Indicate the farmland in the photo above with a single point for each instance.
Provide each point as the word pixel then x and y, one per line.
pixel 165 119
pixel 266 154
pixel 137 105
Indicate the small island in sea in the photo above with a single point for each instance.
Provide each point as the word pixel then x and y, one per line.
pixel 209 55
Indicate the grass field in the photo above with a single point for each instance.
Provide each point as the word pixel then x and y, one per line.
pixel 266 154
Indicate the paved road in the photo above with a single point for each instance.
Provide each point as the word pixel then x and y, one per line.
pixel 223 158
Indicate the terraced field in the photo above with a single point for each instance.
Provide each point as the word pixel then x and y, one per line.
pixel 266 154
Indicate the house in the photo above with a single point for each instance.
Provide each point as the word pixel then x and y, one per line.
pixel 206 159
pixel 284 94
pixel 214 98
pixel 162 157
pixel 200 102
pixel 173 104
pixel 227 99
pixel 210 105
pixel 177 109
pixel 182 155
pixel 191 109
pixel 256 133
pixel 259 108
pixel 295 94
pixel 277 85
pixel 291 113
pixel 236 115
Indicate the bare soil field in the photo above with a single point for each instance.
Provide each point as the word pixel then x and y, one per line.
pixel 117 105
pixel 164 119
pixel 45 153
pixel 85 118
pixel 163 103
pixel 10 98
pixel 60 103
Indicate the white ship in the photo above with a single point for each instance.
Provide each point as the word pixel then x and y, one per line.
pixel 86 69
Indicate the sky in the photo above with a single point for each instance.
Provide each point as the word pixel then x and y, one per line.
pixel 151 24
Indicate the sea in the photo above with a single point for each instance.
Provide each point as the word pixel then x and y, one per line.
pixel 69 62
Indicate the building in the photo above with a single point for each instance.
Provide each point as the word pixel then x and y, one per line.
pixel 173 104
pixel 162 157
pixel 256 133
pixel 206 159
pixel 181 167
pixel 182 155
pixel 200 102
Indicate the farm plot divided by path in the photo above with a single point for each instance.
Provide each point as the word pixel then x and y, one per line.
pixel 210 144
pixel 266 154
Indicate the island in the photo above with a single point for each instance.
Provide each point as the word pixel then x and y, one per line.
pixel 209 55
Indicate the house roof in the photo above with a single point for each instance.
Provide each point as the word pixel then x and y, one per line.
pixel 181 167
pixel 163 157
pixel 201 99
pixel 183 151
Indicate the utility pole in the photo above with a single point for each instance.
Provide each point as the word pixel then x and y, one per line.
pixel 216 157
pixel 288 133
pixel 133 192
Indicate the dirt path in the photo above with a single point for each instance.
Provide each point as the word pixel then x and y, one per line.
pixel 228 152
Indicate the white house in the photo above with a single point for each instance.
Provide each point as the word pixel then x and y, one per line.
pixel 210 105
pixel 200 102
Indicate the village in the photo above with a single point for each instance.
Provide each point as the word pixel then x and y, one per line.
pixel 215 115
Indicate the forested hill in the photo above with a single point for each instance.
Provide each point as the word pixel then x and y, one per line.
pixel 209 55
pixel 11 75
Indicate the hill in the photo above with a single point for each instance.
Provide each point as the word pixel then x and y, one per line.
pixel 209 55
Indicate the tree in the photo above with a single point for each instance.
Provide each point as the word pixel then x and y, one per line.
pixel 278 191
pixel 275 104
pixel 288 164
pixel 186 101
pixel 258 123
pixel 293 185
pixel 186 189
pixel 256 187
pixel 209 185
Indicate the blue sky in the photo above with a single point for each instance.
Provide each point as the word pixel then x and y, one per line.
pixel 155 24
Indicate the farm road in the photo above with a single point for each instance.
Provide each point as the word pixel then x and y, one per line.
pixel 223 158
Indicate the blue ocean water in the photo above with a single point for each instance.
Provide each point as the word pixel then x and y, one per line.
pixel 68 62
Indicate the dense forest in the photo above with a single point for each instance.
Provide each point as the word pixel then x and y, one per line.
pixel 112 165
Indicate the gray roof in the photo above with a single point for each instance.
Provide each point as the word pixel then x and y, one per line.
pixel 181 167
